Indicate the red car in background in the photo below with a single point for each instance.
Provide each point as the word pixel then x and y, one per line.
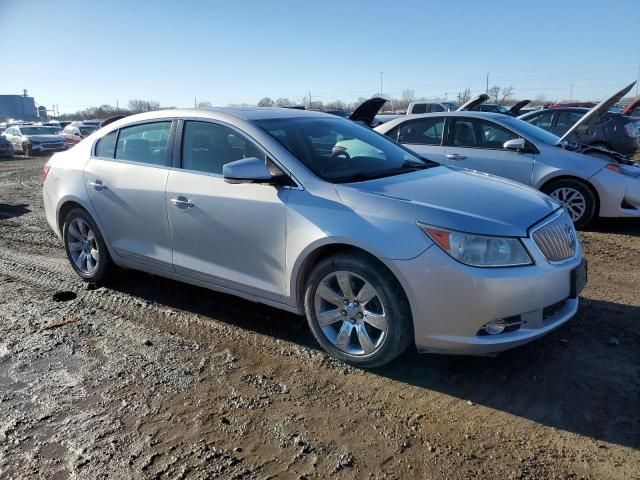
pixel 633 110
pixel 74 133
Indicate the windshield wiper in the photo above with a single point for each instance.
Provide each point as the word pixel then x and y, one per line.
pixel 405 168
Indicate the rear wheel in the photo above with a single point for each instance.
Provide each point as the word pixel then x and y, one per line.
pixel 85 247
pixel 576 197
pixel 357 311
pixel 26 150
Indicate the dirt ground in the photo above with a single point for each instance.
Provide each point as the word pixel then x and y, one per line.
pixel 150 378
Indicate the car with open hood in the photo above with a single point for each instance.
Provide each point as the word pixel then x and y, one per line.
pixel 588 181
pixel 597 126
pixel 478 104
pixel 377 246
pixel 34 139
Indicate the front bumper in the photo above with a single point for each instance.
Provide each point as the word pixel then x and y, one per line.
pixel 6 151
pixel 619 194
pixel 45 148
pixel 451 302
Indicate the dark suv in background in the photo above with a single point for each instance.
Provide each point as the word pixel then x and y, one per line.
pixel 613 131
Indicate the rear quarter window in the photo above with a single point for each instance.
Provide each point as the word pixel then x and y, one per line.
pixel 106 146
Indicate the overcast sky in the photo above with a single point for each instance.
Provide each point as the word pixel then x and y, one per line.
pixel 80 54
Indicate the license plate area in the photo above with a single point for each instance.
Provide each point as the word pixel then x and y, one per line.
pixel 578 279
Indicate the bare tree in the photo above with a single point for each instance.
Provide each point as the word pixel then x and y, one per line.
pixel 465 96
pixel 204 104
pixel 506 94
pixel 408 95
pixel 335 104
pixel 283 102
pixel 494 93
pixel 139 106
pixel 266 102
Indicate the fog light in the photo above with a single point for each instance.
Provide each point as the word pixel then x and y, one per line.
pixel 495 327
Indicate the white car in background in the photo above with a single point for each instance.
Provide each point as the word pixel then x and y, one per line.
pixel 588 181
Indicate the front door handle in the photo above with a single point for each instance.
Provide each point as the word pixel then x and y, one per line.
pixel 98 185
pixel 455 156
pixel 182 202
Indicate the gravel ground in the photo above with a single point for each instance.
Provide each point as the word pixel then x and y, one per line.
pixel 150 378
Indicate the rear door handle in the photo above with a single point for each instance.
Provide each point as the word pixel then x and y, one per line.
pixel 455 156
pixel 182 202
pixel 98 185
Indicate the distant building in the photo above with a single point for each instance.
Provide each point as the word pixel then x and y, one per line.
pixel 19 107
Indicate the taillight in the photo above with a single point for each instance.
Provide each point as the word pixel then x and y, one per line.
pixel 45 171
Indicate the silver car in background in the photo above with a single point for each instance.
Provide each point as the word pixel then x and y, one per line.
pixel 34 139
pixel 317 215
pixel 599 183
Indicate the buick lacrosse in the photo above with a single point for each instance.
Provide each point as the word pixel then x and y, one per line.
pixel 315 214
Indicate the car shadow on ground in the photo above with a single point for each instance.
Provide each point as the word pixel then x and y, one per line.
pixel 622 226
pixel 583 378
pixel 10 210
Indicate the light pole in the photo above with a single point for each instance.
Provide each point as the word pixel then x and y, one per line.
pixel 571 93
pixel 381 83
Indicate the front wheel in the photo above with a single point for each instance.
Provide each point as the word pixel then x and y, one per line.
pixel 357 311
pixel 26 150
pixel 576 197
pixel 85 247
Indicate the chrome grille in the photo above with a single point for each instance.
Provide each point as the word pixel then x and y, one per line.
pixel 557 238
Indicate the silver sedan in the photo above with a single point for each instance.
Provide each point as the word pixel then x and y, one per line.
pixel 317 215
pixel 589 182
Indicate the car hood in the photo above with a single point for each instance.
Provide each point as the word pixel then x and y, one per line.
pixel 367 110
pixel 44 138
pixel 474 102
pixel 597 111
pixel 452 198
pixel 515 110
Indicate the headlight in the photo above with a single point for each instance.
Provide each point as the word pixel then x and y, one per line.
pixel 479 250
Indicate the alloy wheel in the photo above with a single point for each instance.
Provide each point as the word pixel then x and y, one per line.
pixel 350 313
pixel 83 246
pixel 572 200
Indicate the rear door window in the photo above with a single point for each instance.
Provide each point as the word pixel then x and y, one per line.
pixel 426 131
pixel 146 143
pixel 419 108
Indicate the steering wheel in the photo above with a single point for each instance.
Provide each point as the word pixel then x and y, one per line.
pixel 333 160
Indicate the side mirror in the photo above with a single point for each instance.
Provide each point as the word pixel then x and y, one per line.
pixel 247 170
pixel 514 144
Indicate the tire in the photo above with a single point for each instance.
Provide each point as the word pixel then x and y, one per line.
pixel 78 239
pixel 384 318
pixel 26 150
pixel 577 197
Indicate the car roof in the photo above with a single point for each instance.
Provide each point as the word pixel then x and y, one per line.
pixel 244 113
pixel 465 113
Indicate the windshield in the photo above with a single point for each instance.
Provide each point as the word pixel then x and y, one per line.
pixel 340 150
pixel 87 130
pixel 38 130
pixel 535 133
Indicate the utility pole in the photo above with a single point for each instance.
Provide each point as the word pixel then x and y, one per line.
pixel 117 105
pixel 487 89
pixel 638 81
pixel 309 99
pixel 381 83
pixel 195 102
pixel 571 93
